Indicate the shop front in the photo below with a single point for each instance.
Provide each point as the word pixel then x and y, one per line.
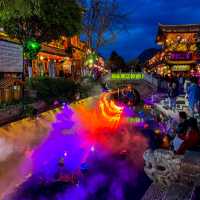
pixel 49 65
pixel 179 55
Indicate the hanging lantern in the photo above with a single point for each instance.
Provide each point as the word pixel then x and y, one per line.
pixel 41 58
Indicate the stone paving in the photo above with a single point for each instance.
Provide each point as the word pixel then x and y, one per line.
pixel 154 192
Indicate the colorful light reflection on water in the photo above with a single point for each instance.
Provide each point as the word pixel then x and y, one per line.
pixel 92 145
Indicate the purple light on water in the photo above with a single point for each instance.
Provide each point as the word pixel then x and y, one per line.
pixel 128 111
pixel 149 101
pixel 92 149
pixel 65 154
pixel 72 153
pixel 139 124
pixel 58 146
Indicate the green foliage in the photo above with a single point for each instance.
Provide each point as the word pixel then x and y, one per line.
pixel 88 87
pixel 91 59
pixel 198 46
pixel 49 89
pixel 31 47
pixel 136 65
pixel 29 111
pixel 40 19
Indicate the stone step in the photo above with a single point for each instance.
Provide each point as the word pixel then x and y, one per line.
pixel 154 192
pixel 178 192
pixel 174 192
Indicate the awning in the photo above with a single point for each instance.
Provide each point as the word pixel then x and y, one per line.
pixel 53 51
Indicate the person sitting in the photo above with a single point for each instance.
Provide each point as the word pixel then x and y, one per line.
pixel 180 131
pixel 191 139
pixel 183 125
pixel 172 94
pixel 193 95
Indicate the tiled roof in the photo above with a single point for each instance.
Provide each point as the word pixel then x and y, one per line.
pixel 179 28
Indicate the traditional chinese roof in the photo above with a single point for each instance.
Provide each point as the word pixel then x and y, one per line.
pixel 53 50
pixel 185 28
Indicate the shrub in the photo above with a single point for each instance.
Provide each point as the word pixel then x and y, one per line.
pixel 49 89
pixel 89 87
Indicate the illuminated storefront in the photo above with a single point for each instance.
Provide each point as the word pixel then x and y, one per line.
pixel 53 60
pixel 180 53
pixel 50 62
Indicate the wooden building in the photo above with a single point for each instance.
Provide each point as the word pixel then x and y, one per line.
pixel 53 59
pixel 179 53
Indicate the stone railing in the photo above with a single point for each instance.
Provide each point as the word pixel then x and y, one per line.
pixel 150 79
pixel 162 166
pixel 175 175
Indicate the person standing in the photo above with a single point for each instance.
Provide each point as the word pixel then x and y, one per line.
pixel 172 94
pixel 186 85
pixel 193 95
pixel 181 84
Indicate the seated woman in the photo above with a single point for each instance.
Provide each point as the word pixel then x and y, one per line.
pixel 192 137
pixel 180 131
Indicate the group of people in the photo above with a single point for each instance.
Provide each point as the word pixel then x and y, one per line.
pixel 186 136
pixel 192 90
pixel 130 95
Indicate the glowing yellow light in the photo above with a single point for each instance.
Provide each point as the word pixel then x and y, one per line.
pixel 114 106
pixel 157 131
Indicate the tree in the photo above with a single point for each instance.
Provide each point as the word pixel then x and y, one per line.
pixel 102 20
pixel 33 22
pixel 116 63
pixel 135 65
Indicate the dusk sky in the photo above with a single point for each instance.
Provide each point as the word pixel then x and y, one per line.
pixel 145 16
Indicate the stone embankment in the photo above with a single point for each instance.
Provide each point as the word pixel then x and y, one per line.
pixel 174 177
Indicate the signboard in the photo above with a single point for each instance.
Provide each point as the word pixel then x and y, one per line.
pixel 181 56
pixel 11 57
pixel 127 76
pixel 180 67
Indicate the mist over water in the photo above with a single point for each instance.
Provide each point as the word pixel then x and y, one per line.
pixel 6 149
pixel 108 172
pixel 111 158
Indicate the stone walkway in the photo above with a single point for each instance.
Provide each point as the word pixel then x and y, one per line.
pixel 174 192
pixel 154 192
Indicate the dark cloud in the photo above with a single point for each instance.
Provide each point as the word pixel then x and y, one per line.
pixel 145 16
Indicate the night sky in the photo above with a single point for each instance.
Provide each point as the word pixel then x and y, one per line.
pixel 145 16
